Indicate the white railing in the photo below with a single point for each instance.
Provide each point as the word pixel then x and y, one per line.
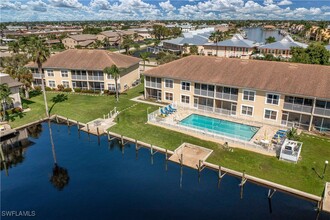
pixel 226 96
pixel 153 85
pixel 38 75
pixel 322 111
pixel 297 107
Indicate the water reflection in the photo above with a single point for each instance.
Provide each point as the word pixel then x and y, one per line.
pixel 60 175
pixel 34 131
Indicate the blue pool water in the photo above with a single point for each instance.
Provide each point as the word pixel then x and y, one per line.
pixel 108 183
pixel 222 127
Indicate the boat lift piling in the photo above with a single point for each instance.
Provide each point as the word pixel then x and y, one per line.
pixel 243 181
pixel 271 192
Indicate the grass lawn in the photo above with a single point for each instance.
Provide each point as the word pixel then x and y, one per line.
pixel 132 123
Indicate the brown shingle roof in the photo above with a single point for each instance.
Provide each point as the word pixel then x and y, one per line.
pixel 87 60
pixel 83 37
pixel 288 78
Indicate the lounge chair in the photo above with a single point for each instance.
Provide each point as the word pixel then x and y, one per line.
pixel 163 112
pixel 172 108
pixel 168 110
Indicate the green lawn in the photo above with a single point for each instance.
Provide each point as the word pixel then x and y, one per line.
pixel 132 123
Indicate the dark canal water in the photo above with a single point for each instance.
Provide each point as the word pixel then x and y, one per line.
pixel 259 35
pixel 106 184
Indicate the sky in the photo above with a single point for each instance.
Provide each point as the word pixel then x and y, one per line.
pixel 72 10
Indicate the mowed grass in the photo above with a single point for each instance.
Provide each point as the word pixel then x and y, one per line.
pixel 132 123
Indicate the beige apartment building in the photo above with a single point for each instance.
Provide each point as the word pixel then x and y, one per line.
pixel 84 69
pixel 268 92
pixel 81 40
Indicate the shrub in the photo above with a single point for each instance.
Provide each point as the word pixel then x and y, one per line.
pixel 25 106
pixel 67 90
pixel 37 88
pixel 60 87
pixel 77 89
pixel 48 88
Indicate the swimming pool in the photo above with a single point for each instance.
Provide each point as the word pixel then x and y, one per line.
pixel 222 127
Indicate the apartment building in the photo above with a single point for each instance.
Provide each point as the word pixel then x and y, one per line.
pixel 237 46
pixel 81 40
pixel 281 48
pixel 83 69
pixel 268 92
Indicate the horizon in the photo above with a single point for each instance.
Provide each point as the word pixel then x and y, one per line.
pixel 142 10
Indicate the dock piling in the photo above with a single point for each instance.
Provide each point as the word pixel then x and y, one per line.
pixel 136 150
pixel 108 136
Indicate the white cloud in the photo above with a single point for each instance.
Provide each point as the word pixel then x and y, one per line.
pixel 100 4
pixel 285 2
pixel 38 5
pixel 268 2
pixel 12 5
pixel 66 3
pixel 167 6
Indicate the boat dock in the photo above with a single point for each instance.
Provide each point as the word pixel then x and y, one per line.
pixel 326 198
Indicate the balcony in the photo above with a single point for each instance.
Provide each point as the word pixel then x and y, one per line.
pixel 204 93
pixel 297 107
pixel 226 96
pixel 95 78
pixel 223 111
pixel 153 85
pixel 322 111
pixel 38 75
pixel 79 77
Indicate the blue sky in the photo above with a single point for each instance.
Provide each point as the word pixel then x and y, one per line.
pixel 59 10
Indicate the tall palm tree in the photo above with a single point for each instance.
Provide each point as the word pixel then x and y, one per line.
pixel 25 76
pixel 216 37
pixel 185 48
pixel 113 71
pixel 5 98
pixel 145 57
pixel 39 54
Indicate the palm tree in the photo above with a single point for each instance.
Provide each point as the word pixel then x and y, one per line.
pixel 39 54
pixel 127 42
pixel 185 48
pixel 113 71
pixel 25 76
pixel 145 57
pixel 5 98
pixel 106 42
pixel 14 47
pixel 216 37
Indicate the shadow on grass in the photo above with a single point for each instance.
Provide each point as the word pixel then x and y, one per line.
pixel 34 93
pixel 28 102
pixel 317 173
pixel 14 116
pixel 58 99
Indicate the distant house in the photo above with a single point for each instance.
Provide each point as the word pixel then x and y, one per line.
pixel 281 48
pixel 198 38
pixel 237 46
pixel 14 89
pixel 115 37
pixel 83 69
pixel 81 40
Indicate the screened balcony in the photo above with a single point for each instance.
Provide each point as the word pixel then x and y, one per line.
pixel 298 104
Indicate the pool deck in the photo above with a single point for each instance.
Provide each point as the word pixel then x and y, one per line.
pixel 326 198
pixel 265 132
pixel 190 154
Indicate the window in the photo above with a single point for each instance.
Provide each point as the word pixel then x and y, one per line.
pixel 185 99
pixel 51 83
pixel 273 99
pixel 111 87
pixel 247 110
pixel 248 95
pixel 185 86
pixel 109 76
pixel 66 84
pixel 64 73
pixel 168 83
pixel 168 96
pixel 50 73
pixel 270 114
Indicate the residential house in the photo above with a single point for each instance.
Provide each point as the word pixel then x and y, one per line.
pixel 281 48
pixel 76 68
pixel 14 89
pixel 81 40
pixel 237 46
pixel 269 92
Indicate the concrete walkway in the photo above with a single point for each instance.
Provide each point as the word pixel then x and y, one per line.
pixel 140 99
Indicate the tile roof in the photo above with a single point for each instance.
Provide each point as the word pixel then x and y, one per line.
pixel 6 79
pixel 282 77
pixel 198 37
pixel 285 44
pixel 83 37
pixel 87 60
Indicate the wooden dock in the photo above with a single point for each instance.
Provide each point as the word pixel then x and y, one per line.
pixel 326 198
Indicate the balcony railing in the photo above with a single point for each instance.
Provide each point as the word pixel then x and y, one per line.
pixel 79 77
pixel 223 111
pixel 38 75
pixel 96 78
pixel 322 111
pixel 297 107
pixel 153 85
pixel 227 96
pixel 204 93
